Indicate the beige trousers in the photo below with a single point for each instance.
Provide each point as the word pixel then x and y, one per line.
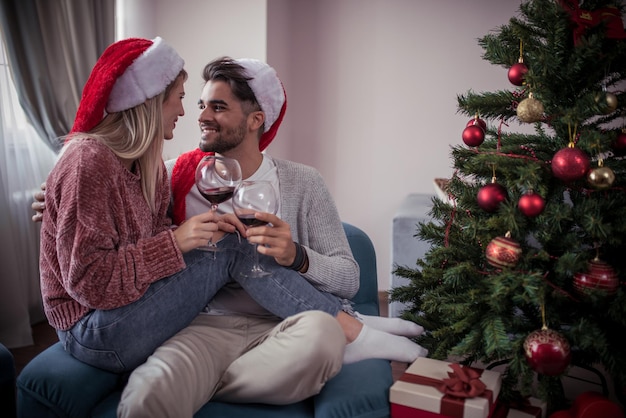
pixel 236 359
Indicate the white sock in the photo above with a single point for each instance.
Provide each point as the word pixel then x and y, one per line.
pixel 372 343
pixel 396 326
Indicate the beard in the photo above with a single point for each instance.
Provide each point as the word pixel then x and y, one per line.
pixel 225 140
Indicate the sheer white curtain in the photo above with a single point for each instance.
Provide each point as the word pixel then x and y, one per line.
pixel 24 164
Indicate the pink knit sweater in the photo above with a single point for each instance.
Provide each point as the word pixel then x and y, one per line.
pixel 101 246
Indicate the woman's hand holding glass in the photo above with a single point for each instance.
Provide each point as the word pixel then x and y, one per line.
pixel 198 230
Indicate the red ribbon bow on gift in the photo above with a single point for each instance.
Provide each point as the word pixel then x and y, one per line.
pixel 585 19
pixel 463 382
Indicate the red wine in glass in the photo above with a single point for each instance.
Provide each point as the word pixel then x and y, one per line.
pixel 218 195
pixel 250 221
pixel 216 179
pixel 251 197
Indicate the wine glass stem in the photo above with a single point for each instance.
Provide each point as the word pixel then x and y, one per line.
pixel 210 243
pixel 256 266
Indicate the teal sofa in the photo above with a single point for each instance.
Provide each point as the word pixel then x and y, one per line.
pixel 54 384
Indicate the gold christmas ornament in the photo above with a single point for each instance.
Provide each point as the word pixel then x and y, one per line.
pixel 530 110
pixel 611 102
pixel 601 177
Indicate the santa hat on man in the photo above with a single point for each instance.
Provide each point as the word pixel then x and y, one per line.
pixel 128 73
pixel 269 93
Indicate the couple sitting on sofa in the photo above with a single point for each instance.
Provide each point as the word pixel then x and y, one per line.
pixel 241 334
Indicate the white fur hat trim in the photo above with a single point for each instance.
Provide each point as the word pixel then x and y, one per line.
pixel 267 88
pixel 146 77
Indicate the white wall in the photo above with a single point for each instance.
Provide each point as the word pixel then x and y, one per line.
pixel 371 86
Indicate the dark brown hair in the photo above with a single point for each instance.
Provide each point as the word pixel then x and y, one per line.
pixel 228 70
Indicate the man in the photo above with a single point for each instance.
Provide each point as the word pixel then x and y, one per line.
pixel 242 104
pixel 237 351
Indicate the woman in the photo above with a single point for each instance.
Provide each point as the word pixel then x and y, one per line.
pixel 117 280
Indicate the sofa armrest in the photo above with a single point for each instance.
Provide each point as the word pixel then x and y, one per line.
pixel 7 382
pixel 55 384
pixel 366 299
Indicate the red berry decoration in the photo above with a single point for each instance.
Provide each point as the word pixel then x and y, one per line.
pixel 517 73
pixel 490 196
pixel 477 121
pixel 473 135
pixel 569 164
pixel 599 279
pixel 547 352
pixel 503 252
pixel 531 204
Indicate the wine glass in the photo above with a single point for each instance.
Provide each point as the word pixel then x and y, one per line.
pixel 251 197
pixel 216 180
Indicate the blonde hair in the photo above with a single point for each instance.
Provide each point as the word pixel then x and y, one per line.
pixel 137 134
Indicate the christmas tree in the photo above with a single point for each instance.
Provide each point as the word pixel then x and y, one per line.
pixel 528 252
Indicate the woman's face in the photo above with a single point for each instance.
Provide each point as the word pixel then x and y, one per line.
pixel 173 107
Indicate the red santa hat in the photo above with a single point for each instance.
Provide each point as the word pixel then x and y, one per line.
pixel 269 93
pixel 127 73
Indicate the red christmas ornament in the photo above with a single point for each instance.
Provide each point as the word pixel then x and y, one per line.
pixel 531 204
pixel 599 279
pixel 477 121
pixel 473 135
pixel 503 252
pixel 569 164
pixel 593 404
pixel 490 196
pixel 547 352
pixel 517 73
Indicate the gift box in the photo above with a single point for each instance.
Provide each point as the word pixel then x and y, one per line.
pixel 434 388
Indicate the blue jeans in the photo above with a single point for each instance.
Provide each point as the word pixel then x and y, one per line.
pixel 121 339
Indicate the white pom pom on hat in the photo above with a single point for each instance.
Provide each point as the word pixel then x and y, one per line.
pixel 269 93
pixel 128 73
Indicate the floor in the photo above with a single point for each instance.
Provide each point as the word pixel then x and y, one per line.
pixel 44 336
